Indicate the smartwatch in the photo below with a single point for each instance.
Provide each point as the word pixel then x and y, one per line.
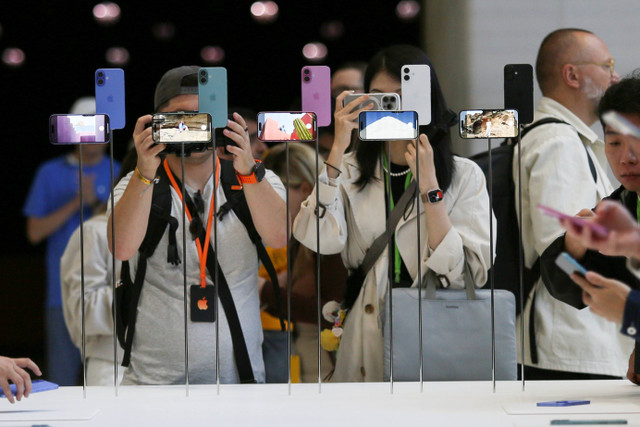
pixel 434 196
pixel 257 174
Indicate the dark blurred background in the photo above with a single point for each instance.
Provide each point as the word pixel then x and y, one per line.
pixel 51 49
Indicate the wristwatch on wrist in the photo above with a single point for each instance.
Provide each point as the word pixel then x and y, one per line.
pixel 257 174
pixel 433 196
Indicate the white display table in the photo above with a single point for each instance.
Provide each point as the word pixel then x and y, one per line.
pixel 348 404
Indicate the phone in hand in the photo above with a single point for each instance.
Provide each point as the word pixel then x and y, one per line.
pixel 387 125
pixel 109 89
pixel 487 124
pixel 212 94
pixel 597 229
pixel 178 128
pixel 79 129
pixel 282 126
pixel 380 101
pixel 416 91
pixel 518 90
pixel 569 265
pixel 316 92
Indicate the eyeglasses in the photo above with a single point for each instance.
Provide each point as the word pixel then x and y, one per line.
pixel 609 64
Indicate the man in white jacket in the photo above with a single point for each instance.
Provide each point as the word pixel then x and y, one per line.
pixel 563 167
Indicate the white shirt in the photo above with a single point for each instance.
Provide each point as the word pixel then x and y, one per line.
pixel 555 172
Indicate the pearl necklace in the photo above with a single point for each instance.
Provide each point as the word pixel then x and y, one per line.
pixel 404 172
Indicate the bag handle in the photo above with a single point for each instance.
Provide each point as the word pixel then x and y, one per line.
pixel 430 285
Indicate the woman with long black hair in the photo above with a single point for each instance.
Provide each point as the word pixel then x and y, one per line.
pixel 354 189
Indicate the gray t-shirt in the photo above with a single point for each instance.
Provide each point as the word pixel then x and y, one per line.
pixel 158 350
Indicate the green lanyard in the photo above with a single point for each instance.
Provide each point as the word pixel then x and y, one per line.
pixel 397 265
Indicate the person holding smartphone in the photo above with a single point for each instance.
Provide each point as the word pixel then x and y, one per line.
pixel 454 216
pixel 158 348
pixel 606 256
pixel 13 370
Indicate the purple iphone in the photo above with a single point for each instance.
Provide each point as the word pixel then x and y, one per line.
pixel 316 92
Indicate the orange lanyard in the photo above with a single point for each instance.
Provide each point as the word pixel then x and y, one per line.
pixel 202 254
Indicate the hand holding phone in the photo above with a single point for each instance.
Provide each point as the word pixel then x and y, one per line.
pixel 578 222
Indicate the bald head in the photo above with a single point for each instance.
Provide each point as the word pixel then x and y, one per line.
pixel 560 47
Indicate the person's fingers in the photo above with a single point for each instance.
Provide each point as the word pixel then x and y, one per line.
pixel 17 379
pixel 240 120
pixel 141 123
pixel 340 98
pixel 585 213
pixel 25 362
pixel 4 384
pixel 349 107
pixel 222 155
pixel 26 381
pixel 598 281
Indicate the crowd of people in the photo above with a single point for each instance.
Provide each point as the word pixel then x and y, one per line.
pixel 563 166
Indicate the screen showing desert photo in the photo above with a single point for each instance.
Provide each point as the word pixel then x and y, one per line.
pixel 388 125
pixel 80 129
pixel 181 128
pixel 489 124
pixel 276 126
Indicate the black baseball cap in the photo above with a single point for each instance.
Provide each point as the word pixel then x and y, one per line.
pixel 177 81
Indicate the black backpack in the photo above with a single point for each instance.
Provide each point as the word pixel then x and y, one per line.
pixel 128 291
pixel 506 266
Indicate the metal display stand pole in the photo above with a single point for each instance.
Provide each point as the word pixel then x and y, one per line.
pixel 420 340
pixel 493 325
pixel 84 338
pixel 114 279
pixel 390 268
pixel 318 285
pixel 184 276
pixel 521 261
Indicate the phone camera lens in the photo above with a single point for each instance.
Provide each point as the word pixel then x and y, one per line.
pixel 385 99
pixel 306 71
pixel 203 73
pixel 406 70
pixel 203 80
pixel 100 74
pixel 407 77
pixel 100 82
pixel 306 78
pixel 389 106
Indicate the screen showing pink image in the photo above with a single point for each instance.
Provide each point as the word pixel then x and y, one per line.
pixel 279 126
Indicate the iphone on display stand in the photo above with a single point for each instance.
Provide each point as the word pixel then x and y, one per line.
pixel 212 94
pixel 79 129
pixel 109 89
pixel 518 91
pixel 387 125
pixel 281 126
pixel 316 92
pixel 416 91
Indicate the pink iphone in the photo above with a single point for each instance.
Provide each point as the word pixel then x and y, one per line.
pixel 598 229
pixel 316 92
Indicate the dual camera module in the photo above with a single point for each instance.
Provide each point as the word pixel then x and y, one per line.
pixel 510 72
pixel 100 78
pixel 306 77
pixel 203 76
pixel 406 77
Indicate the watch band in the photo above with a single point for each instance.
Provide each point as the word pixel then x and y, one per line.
pixel 256 176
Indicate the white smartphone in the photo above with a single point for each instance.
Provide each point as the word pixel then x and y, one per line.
pixel 416 91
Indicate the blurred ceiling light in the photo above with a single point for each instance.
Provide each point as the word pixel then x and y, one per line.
pixel 117 56
pixel 106 13
pixel 13 57
pixel 314 51
pixel 407 10
pixel 212 54
pixel 163 30
pixel 264 12
pixel 332 30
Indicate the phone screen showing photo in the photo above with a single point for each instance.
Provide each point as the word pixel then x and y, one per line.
pixel 287 126
pixel 488 124
pixel 388 125
pixel 177 128
pixel 80 129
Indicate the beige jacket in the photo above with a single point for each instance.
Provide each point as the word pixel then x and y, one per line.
pixel 352 221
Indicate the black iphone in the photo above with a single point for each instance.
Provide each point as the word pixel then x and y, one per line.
pixel 518 91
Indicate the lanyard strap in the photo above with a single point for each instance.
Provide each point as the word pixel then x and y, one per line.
pixel 397 263
pixel 202 254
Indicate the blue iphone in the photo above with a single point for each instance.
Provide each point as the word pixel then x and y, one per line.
pixel 212 94
pixel 570 265
pixel 110 95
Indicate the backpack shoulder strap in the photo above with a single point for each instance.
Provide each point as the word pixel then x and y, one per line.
pixel 547 120
pixel 237 202
pixel 159 218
